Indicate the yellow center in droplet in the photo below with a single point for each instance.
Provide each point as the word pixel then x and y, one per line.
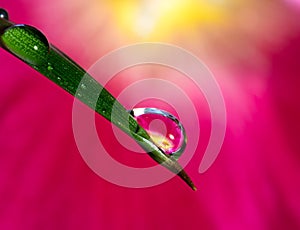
pixel 161 141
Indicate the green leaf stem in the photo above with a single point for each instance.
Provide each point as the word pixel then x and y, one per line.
pixel 32 47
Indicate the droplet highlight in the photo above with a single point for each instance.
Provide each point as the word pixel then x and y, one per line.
pixel 27 43
pixel 83 86
pixel 4 14
pixel 165 130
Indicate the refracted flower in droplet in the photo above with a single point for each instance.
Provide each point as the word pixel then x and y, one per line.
pixel 165 130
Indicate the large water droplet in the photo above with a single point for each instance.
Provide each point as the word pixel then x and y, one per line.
pixel 165 130
pixel 3 14
pixel 27 43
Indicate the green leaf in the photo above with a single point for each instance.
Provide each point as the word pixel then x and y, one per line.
pixel 31 46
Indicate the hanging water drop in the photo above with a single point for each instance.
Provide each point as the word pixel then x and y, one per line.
pixel 165 130
pixel 27 43
pixel 3 14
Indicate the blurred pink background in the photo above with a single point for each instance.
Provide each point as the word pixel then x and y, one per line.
pixel 253 49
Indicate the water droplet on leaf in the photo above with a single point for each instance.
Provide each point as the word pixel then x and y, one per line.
pixel 27 43
pixel 50 68
pixel 165 130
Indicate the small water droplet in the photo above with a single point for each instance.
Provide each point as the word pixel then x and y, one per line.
pixel 26 42
pixel 165 130
pixel 3 14
pixel 50 68
pixel 58 78
pixel 83 86
pixel 78 95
